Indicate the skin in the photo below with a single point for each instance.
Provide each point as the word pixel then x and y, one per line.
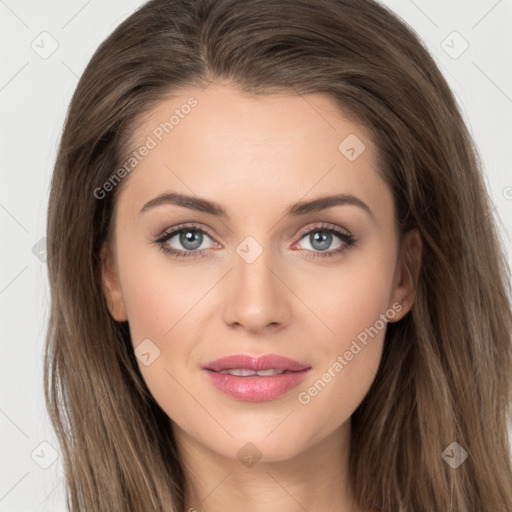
pixel 257 156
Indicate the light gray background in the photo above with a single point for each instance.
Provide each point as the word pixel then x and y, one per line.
pixel 35 89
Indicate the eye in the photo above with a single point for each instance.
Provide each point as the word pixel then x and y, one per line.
pixel 190 237
pixel 321 238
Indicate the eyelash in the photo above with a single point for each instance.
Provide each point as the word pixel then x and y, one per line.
pixel 347 239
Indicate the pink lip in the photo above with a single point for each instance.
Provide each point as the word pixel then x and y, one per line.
pixel 256 388
pixel 255 363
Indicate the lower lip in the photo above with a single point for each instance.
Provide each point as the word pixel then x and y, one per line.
pixel 254 388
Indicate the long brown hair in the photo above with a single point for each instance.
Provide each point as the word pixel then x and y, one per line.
pixel 446 370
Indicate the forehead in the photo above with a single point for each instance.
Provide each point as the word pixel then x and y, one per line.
pixel 251 151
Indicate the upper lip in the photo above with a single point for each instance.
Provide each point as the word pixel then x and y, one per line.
pixel 256 363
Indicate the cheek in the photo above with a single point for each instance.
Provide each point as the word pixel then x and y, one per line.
pixel 157 290
pixel 351 296
pixel 165 301
pixel 352 305
pixel 160 307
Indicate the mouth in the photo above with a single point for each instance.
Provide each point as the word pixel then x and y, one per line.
pixel 255 378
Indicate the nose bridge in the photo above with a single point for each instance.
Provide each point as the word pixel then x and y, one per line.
pixel 256 297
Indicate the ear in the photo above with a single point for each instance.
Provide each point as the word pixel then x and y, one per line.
pixel 407 273
pixel 111 286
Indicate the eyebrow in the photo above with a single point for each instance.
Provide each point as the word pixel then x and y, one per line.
pixel 296 210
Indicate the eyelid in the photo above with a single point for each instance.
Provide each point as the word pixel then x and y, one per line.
pixel 323 225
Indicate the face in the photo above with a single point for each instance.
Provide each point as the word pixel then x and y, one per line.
pixel 245 267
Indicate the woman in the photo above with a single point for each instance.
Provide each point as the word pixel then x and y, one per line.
pixel 282 287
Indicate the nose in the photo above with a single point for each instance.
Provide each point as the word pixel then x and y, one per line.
pixel 257 298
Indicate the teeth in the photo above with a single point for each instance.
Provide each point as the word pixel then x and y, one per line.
pixel 244 372
pixel 265 373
